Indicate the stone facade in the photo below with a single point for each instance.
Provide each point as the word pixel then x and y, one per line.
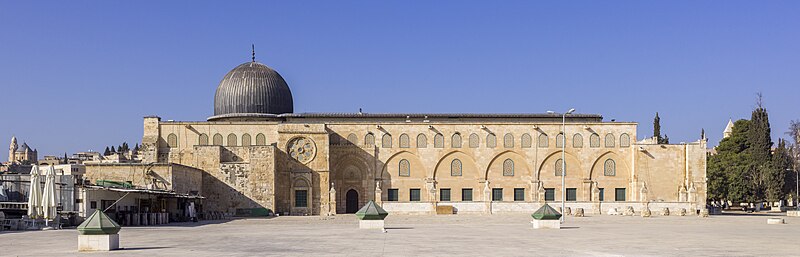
pixel 416 162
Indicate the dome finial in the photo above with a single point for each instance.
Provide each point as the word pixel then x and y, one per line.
pixel 253 46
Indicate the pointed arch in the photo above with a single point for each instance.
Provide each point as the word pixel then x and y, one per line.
pixel 261 139
pixel 526 141
pixel 369 139
pixel 577 141
pixel 610 140
pixel 422 141
pixel 438 140
pixel 217 139
pixel 491 140
pixel 172 141
pixel 386 141
pixel 594 140
pixel 474 140
pixel 232 141
pixel 543 140
pixel 404 140
pixel 508 140
pixel 246 139
pixel 560 140
pixel 624 140
pixel 455 140
pixel 352 139
pixel 203 140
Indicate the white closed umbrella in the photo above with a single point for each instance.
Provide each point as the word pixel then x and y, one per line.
pixel 35 194
pixel 3 196
pixel 49 195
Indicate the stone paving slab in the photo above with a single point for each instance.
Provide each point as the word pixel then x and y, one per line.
pixel 463 235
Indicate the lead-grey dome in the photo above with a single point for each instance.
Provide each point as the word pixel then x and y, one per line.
pixel 251 90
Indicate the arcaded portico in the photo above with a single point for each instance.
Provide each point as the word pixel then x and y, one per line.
pixel 256 153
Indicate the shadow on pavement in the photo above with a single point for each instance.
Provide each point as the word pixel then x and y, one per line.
pixel 142 248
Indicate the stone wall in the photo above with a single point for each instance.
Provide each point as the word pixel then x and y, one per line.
pixel 171 177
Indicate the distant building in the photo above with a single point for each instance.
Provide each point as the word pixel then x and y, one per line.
pixel 728 129
pixel 21 154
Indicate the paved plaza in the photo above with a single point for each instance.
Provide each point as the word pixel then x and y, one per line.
pixel 462 235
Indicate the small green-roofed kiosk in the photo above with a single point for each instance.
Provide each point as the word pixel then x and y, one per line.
pixel 371 216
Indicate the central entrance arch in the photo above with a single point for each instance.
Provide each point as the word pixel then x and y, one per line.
pixel 352 201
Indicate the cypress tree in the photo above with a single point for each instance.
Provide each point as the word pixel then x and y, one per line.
pixel 113 150
pixel 107 152
pixel 657 127
pixel 760 148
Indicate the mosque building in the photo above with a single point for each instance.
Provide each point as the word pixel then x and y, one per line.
pixel 256 154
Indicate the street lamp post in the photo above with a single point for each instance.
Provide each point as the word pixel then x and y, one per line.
pixel 563 161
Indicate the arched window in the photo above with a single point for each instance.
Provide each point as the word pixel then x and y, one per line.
pixel 261 139
pixel 203 139
pixel 386 142
pixel 560 141
pixel 246 139
pixel 352 138
pixel 624 140
pixel 577 141
pixel 508 167
pixel 232 140
pixel 217 139
pixel 610 168
pixel 455 141
pixel 594 140
pixel 369 139
pixel 609 140
pixel 438 141
pixel 527 141
pixel 508 141
pixel 422 141
pixel 543 140
pixel 559 165
pixel 491 141
pixel 404 141
pixel 405 168
pixel 172 141
pixel 474 140
pixel 455 168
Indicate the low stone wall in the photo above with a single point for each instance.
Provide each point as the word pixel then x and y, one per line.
pixel 528 207
pixel 408 208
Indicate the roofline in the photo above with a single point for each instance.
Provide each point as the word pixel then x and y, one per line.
pixel 403 115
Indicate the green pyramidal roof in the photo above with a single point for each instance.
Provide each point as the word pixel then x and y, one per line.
pixel 371 211
pixel 546 213
pixel 98 224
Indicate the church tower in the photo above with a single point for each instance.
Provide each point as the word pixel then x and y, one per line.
pixel 728 129
pixel 12 149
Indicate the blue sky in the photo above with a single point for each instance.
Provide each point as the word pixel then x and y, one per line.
pixel 80 75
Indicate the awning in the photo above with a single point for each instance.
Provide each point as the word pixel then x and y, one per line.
pixel 145 191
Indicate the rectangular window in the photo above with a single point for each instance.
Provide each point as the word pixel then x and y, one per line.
pixel 497 194
pixel 519 194
pixel 93 204
pixel 602 194
pixel 572 194
pixel 301 198
pixel 549 194
pixel 619 194
pixel 444 194
pixel 466 194
pixel 413 195
pixel 392 197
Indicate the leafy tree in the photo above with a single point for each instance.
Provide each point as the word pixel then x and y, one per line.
pixel 727 169
pixel 778 173
pixel 136 148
